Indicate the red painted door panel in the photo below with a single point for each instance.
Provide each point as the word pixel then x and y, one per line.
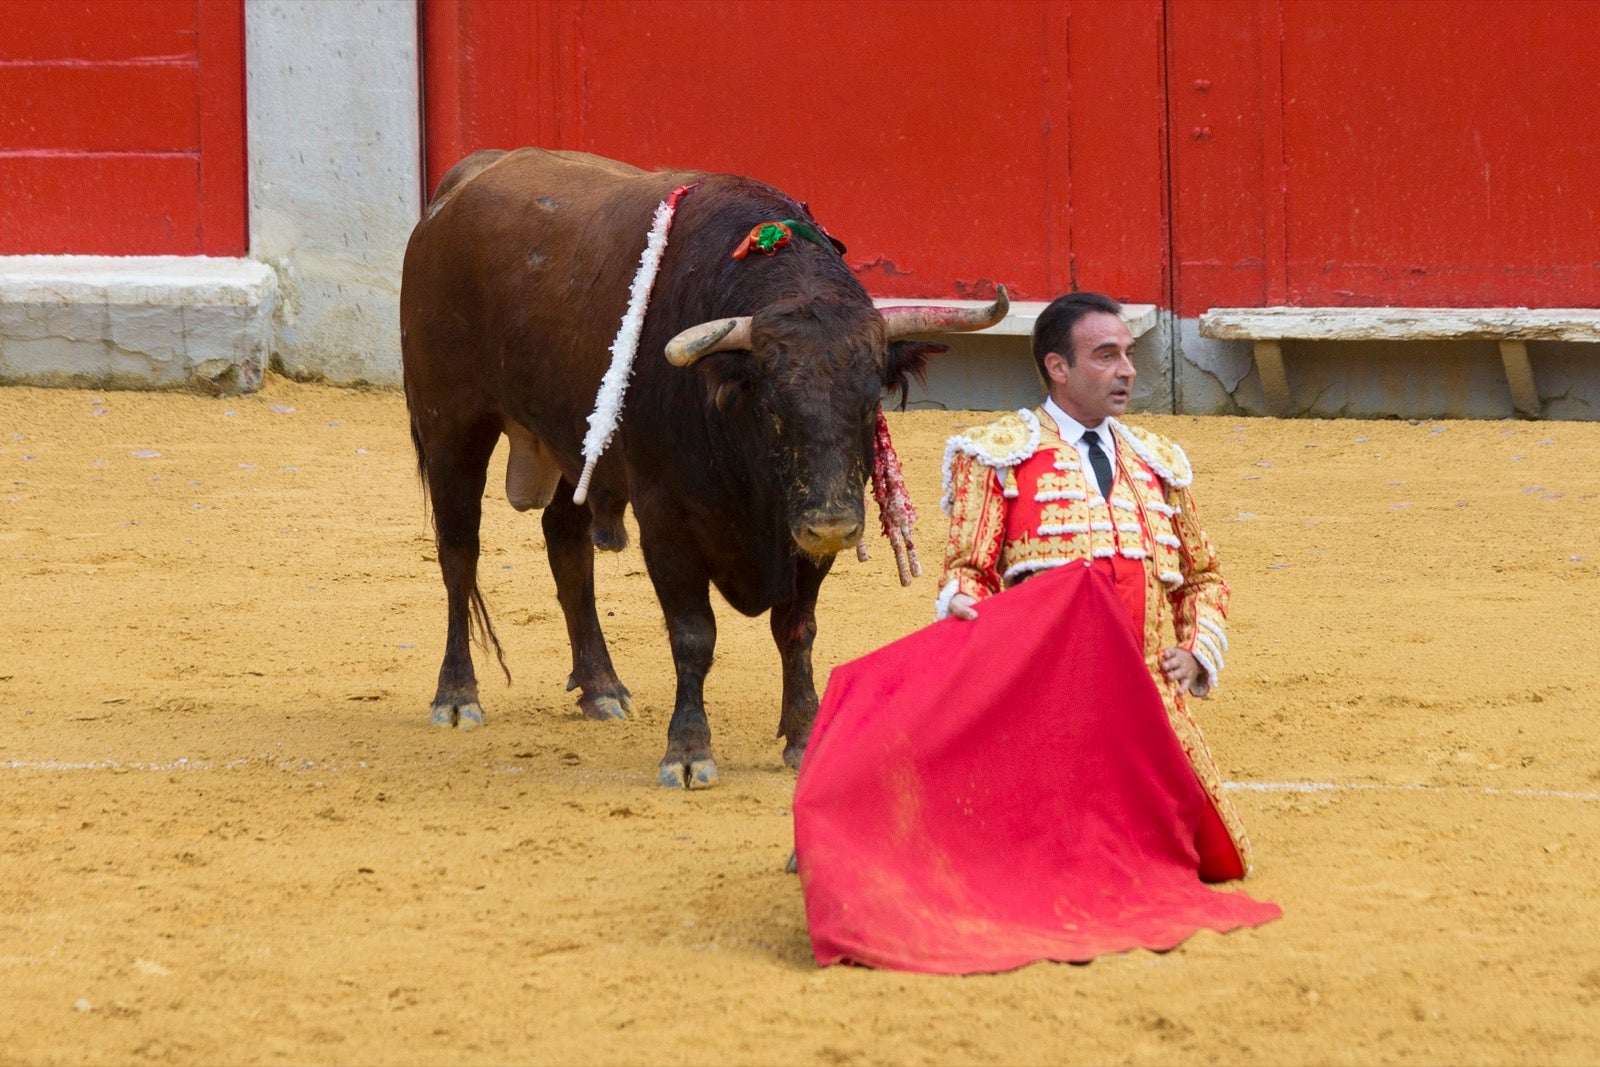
pixel 951 145
pixel 122 127
pixel 1432 154
pixel 1442 154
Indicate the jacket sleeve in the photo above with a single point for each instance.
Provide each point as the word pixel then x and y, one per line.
pixel 977 533
pixel 1200 604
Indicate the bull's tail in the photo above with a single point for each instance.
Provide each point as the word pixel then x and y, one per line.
pixel 478 623
pixel 482 628
pixel 422 464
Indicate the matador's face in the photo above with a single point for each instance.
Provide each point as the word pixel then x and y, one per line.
pixel 1097 382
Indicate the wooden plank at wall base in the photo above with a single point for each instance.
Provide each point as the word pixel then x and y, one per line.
pixel 1512 328
pixel 1402 323
pixel 136 322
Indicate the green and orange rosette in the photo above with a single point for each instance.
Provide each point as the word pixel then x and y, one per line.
pixel 767 237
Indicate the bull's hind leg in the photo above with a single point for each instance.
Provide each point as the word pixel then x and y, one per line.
pixel 692 628
pixel 794 627
pixel 457 469
pixel 566 538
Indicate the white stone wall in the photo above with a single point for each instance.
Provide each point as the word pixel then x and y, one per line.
pixel 335 150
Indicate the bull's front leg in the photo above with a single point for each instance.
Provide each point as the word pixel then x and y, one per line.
pixel 685 597
pixel 794 628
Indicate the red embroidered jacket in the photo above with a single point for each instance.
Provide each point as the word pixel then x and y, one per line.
pixel 1018 502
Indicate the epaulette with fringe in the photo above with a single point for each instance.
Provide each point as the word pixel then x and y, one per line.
pixel 1163 456
pixel 1001 444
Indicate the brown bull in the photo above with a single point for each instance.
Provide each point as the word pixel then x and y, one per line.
pixel 746 436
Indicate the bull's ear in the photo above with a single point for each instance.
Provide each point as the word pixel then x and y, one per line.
pixel 908 360
pixel 728 379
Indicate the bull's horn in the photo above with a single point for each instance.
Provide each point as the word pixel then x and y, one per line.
pixel 720 335
pixel 935 319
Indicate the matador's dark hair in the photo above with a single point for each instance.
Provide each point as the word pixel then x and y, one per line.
pixel 1052 332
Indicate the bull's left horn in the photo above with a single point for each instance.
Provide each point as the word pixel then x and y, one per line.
pixel 720 335
pixel 935 319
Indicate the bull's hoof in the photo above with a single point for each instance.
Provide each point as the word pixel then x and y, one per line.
pixel 696 774
pixel 793 754
pixel 793 866
pixel 605 709
pixel 466 716
pixel 703 774
pixel 614 703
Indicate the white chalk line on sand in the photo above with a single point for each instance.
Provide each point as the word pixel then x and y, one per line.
pixel 1400 787
pixel 277 763
pixel 169 766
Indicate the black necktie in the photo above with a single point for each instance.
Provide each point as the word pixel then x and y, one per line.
pixel 1099 461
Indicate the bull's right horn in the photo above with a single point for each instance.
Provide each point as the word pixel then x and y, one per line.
pixel 719 335
pixel 901 321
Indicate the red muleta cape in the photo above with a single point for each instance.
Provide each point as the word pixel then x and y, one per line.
pixel 981 795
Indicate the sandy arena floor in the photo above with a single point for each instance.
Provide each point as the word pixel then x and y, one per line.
pixel 229 835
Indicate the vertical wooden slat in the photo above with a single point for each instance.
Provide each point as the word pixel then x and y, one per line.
pixel 224 177
pixel 443 133
pixel 1215 153
pixel 572 106
pixel 1056 147
pixel 1113 128
pixel 1274 180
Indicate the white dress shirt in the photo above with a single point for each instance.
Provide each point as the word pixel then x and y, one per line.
pixel 1072 431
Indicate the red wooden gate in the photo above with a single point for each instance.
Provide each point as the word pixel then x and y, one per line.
pixel 122 127
pixel 1321 152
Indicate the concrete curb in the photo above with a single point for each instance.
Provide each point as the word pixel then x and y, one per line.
pixel 136 322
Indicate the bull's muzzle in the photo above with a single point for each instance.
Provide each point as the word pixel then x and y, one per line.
pixel 828 533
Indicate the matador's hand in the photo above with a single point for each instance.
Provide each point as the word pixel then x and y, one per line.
pixel 1184 671
pixel 963 607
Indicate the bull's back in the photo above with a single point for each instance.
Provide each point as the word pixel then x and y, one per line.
pixel 517 276
pixel 541 200
pixel 531 226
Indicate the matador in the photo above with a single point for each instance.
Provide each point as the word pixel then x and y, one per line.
pixel 1067 483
